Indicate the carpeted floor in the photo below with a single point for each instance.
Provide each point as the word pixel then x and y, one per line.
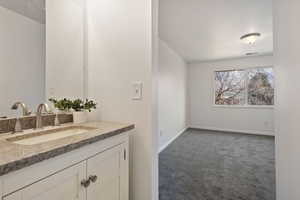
pixel 208 165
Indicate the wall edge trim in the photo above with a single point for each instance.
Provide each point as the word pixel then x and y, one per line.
pixel 163 147
pixel 249 132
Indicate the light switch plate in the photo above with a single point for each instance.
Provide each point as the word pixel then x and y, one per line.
pixel 137 88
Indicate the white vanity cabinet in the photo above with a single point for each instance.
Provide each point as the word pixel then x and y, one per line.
pixel 102 174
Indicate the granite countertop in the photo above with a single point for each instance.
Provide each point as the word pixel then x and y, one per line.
pixel 16 156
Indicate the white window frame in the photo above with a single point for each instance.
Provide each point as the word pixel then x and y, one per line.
pixel 246 105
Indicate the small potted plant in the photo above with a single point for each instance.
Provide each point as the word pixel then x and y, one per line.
pixel 81 109
pixel 63 105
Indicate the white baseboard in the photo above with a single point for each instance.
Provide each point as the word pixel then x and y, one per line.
pixel 172 140
pixel 267 133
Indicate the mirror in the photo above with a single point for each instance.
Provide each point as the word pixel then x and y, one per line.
pixel 42 52
pixel 22 54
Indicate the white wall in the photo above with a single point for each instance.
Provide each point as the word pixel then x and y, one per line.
pixel 65 48
pixel 22 61
pixel 171 94
pixel 204 115
pixel 120 53
pixel 287 63
pixel 154 99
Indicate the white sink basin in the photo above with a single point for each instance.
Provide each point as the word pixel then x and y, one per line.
pixel 49 135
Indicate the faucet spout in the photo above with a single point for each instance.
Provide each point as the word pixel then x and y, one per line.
pixel 25 110
pixel 41 107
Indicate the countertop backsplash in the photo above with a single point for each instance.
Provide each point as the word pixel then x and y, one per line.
pixel 29 122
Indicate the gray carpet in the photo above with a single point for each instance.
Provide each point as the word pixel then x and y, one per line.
pixel 208 165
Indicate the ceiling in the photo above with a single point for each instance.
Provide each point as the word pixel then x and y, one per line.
pixel 202 30
pixel 33 9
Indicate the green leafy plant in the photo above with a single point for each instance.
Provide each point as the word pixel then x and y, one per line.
pixel 62 104
pixel 89 105
pixel 78 105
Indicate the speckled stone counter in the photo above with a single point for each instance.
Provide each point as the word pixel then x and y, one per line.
pixel 15 156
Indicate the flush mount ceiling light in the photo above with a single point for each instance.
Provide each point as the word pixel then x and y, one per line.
pixel 250 38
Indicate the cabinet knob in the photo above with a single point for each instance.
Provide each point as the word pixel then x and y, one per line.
pixel 85 183
pixel 93 178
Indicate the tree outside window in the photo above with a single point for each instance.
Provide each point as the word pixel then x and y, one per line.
pixel 253 87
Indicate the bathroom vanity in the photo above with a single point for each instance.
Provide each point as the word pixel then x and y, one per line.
pixel 43 56
pixel 84 162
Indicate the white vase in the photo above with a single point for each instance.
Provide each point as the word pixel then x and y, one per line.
pixel 80 117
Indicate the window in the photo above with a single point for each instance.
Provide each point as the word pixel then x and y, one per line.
pixel 247 87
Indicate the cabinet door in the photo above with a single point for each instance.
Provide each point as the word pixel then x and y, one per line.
pixel 64 185
pixel 110 168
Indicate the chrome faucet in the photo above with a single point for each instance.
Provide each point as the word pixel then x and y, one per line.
pixel 25 110
pixel 41 107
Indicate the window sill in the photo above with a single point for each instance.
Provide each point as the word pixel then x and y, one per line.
pixel 243 107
